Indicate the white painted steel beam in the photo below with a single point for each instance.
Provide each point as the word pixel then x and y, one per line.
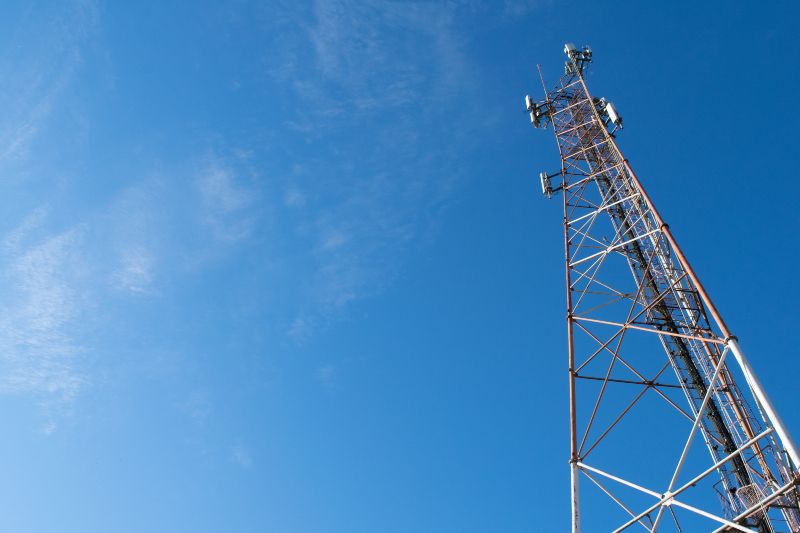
pixel 762 398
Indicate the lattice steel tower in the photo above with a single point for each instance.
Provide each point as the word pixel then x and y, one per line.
pixel 667 418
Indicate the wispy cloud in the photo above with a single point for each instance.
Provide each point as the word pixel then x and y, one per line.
pixel 241 456
pixel 41 310
pixel 39 318
pixel 32 78
pixel 227 200
pixel 294 197
pixel 374 82
pixel 136 270
pixel 520 8
pixel 326 375
pixel 129 232
pixel 300 329
pixel 197 406
pixel 375 56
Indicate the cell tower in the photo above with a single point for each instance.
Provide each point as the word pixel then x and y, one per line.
pixel 670 429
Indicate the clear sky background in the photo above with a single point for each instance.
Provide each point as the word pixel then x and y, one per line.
pixel 285 266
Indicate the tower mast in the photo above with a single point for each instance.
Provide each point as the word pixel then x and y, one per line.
pixel 644 338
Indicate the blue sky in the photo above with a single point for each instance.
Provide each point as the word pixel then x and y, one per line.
pixel 285 267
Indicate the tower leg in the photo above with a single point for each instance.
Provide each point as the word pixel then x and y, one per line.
pixel 766 404
pixel 576 519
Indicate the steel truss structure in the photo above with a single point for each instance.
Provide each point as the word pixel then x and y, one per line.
pixel 667 418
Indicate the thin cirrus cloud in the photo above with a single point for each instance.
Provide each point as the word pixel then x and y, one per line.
pixel 367 80
pixel 136 270
pixel 31 82
pixel 39 324
pixel 52 275
pixel 241 456
pixel 368 77
pixel 131 228
pixel 44 269
pixel 227 203
pixel 161 226
pixel 326 375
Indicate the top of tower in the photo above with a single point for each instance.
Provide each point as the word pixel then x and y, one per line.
pixel 577 59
